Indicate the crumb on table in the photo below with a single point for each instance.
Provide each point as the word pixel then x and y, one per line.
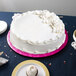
pixel 1 53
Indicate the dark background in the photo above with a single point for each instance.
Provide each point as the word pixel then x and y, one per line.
pixel 62 63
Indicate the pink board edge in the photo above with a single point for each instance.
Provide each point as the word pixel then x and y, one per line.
pixel 37 55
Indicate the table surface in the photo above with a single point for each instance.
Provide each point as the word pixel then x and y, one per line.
pixel 62 63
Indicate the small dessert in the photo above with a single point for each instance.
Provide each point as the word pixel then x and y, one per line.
pixel 32 71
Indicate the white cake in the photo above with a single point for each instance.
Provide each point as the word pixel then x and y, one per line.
pixel 37 32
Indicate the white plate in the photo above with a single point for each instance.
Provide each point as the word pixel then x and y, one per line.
pixel 3 26
pixel 21 68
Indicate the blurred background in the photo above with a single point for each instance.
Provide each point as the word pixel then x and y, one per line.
pixel 60 7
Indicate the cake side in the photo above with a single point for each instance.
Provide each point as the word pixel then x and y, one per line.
pixel 36 48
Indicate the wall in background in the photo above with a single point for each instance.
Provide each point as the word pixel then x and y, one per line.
pixel 61 7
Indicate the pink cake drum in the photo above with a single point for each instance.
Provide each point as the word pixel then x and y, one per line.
pixel 37 55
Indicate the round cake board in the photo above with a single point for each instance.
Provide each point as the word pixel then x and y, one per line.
pixel 37 55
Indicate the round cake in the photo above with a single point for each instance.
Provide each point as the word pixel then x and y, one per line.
pixel 37 32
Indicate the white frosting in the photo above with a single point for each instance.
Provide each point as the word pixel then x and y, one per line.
pixel 37 31
pixel 32 70
pixel 37 26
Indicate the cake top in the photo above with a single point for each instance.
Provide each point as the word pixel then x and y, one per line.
pixel 37 26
